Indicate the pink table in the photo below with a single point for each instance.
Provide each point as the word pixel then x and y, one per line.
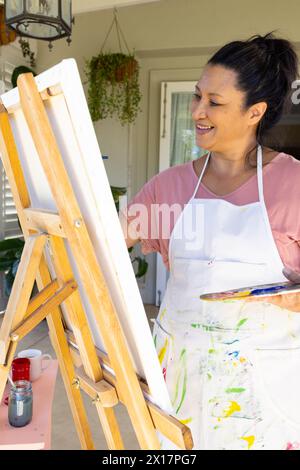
pixel 37 434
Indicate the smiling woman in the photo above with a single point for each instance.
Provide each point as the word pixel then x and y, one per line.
pixel 251 85
pixel 238 226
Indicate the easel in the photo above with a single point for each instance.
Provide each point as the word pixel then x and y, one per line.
pixel 22 314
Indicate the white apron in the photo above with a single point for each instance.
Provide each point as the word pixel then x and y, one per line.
pixel 232 368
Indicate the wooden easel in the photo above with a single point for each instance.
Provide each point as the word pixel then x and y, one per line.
pixel 74 348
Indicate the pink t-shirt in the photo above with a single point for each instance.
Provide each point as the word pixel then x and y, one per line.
pixel 176 185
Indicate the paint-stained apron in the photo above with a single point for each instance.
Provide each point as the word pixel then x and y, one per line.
pixel 231 368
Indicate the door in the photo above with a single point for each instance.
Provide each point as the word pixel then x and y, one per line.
pixel 177 145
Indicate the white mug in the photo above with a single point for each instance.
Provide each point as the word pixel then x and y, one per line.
pixel 36 362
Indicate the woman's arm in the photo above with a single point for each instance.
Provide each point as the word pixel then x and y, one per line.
pixel 288 301
pixel 130 240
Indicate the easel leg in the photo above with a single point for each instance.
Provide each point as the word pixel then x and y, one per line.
pixel 110 427
pixel 18 302
pixel 84 341
pixel 58 338
pixel 21 290
pixel 4 369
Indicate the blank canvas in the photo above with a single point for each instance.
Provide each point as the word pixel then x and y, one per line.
pixel 73 128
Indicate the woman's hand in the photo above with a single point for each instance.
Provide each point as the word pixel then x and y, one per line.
pixel 287 301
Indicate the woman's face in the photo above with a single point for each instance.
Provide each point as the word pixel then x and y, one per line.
pixel 219 104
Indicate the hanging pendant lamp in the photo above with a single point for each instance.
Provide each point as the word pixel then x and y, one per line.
pixel 47 20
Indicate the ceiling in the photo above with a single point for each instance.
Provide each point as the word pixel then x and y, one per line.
pixel 79 6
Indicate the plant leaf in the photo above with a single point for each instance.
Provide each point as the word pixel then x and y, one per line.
pixel 11 244
pixel 142 267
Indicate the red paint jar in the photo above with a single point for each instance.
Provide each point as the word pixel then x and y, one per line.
pixel 20 369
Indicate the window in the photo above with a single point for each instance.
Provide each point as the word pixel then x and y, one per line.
pixel 9 226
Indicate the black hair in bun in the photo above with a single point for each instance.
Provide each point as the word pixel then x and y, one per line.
pixel 266 67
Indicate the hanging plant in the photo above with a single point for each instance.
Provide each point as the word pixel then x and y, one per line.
pixel 113 87
pixel 113 83
pixel 27 52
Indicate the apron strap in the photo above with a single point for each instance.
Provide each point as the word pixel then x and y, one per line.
pixel 278 264
pixel 201 175
pixel 260 175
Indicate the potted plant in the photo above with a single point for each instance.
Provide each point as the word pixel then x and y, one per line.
pixel 141 265
pixel 113 86
pixel 117 192
pixel 10 255
pixel 18 71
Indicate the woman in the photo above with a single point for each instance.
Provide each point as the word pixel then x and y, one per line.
pixel 232 368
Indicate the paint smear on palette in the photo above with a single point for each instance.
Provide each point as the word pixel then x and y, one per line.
pixel 263 290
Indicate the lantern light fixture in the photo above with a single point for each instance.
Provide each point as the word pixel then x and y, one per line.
pixel 46 20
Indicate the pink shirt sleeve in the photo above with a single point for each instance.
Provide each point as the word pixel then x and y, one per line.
pixel 175 186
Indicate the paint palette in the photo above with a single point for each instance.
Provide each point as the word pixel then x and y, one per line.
pixel 253 291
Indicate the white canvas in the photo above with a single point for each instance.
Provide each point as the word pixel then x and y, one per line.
pixel 70 119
